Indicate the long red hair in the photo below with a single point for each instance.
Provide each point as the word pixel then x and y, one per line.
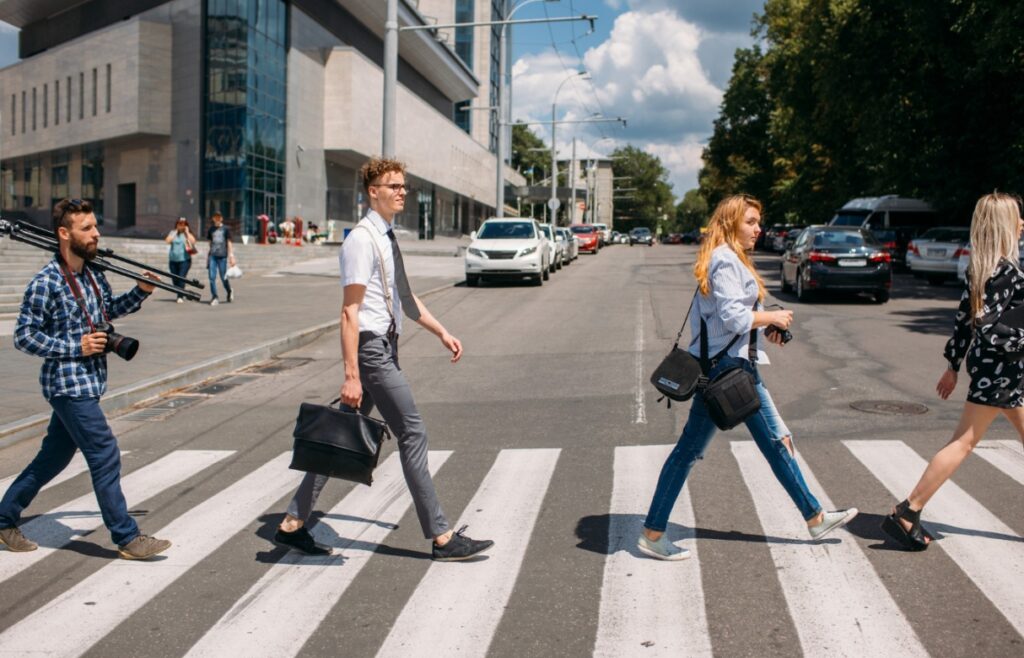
pixel 722 229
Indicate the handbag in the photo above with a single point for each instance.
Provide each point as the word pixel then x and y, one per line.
pixel 731 397
pixel 337 443
pixel 677 375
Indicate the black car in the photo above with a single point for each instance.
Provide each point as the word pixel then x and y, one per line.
pixel 837 258
pixel 641 235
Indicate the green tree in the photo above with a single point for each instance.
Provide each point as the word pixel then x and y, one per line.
pixel 692 211
pixel 526 157
pixel 651 195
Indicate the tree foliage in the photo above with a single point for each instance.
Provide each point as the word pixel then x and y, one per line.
pixel 525 155
pixel 867 97
pixel 692 212
pixel 650 195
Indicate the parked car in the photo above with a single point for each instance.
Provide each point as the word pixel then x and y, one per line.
pixel 965 258
pixel 557 247
pixel 837 258
pixel 590 239
pixel 791 237
pixel 935 254
pixel 782 234
pixel 605 233
pixel 675 238
pixel 893 220
pixel 692 237
pixel 641 235
pixel 508 249
pixel 572 245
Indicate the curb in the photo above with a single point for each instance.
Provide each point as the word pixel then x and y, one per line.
pixel 126 396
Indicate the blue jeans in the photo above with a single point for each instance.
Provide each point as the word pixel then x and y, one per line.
pixel 75 423
pixel 768 430
pixel 218 266
pixel 179 270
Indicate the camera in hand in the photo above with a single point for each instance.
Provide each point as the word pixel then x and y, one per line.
pixel 123 346
pixel 772 329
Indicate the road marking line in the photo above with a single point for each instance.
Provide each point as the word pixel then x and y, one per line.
pixel 76 467
pixel 109 596
pixel 984 548
pixel 457 606
pixel 60 526
pixel 648 607
pixel 1005 455
pixel 839 605
pixel 284 608
pixel 641 411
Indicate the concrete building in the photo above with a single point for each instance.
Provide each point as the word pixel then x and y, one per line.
pixel 158 108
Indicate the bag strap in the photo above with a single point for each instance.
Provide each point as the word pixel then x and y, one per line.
pixel 705 362
pixel 387 430
pixel 383 272
pixel 685 319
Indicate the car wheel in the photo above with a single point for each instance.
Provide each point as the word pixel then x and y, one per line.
pixel 539 280
pixel 881 296
pixel 936 280
pixel 802 293
pixel 472 280
pixel 547 273
pixel 785 285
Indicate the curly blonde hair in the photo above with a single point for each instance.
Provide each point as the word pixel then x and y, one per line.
pixel 375 168
pixel 722 226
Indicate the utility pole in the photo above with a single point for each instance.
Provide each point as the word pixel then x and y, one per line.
pixel 390 78
pixel 572 184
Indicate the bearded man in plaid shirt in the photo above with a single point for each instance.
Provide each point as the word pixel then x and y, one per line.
pixel 60 312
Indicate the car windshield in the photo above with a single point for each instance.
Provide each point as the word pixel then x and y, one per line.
pixel 849 218
pixel 506 231
pixel 582 229
pixel 641 231
pixel 841 239
pixel 546 230
pixel 947 234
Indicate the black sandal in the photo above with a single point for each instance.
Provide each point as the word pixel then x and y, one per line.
pixel 914 539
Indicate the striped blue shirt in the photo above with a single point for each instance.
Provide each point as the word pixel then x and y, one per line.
pixel 728 309
pixel 51 325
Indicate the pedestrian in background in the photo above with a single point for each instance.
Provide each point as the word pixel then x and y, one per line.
pixel 375 293
pixel 221 257
pixel 179 256
pixel 993 344
pixel 730 302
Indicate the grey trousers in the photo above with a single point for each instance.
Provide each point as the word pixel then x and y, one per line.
pixel 385 386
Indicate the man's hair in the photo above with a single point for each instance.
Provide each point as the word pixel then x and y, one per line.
pixel 375 168
pixel 65 208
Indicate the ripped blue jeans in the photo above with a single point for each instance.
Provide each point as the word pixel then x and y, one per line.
pixel 768 430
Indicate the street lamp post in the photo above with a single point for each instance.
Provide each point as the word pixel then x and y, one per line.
pixel 390 78
pixel 553 203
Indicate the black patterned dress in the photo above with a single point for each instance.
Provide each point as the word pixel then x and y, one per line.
pixel 993 349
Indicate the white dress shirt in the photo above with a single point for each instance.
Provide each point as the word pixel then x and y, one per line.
pixel 359 262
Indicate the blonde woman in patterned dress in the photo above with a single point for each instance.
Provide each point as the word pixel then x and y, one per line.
pixel 994 347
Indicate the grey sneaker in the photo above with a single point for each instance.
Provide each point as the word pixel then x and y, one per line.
pixel 143 547
pixel 832 520
pixel 662 549
pixel 15 541
pixel 214 301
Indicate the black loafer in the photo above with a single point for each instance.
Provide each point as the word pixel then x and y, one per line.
pixel 460 547
pixel 301 541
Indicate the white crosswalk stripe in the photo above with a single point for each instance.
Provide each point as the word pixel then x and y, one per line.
pixel 76 467
pixel 109 596
pixel 645 603
pixel 1005 455
pixel 985 548
pixel 279 613
pixel 60 526
pixel 467 599
pixel 839 605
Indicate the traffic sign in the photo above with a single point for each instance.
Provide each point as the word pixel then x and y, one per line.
pixel 554 204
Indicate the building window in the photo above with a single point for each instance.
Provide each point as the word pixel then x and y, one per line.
pixel 81 96
pixel 92 178
pixel 58 177
pixel 24 113
pixel 108 88
pixel 463 115
pixel 7 176
pixel 56 102
pixel 34 95
pixel 94 76
pixel 33 174
pixel 46 106
pixel 14 113
pixel 465 11
pixel 69 99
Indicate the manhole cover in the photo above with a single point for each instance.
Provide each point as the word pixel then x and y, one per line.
pixel 224 384
pixel 890 407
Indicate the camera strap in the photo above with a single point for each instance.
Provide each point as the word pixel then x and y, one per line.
pixel 76 292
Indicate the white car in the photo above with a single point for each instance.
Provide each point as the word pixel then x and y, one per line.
pixel 572 245
pixel 557 247
pixel 606 233
pixel 508 249
pixel 965 257
pixel 935 255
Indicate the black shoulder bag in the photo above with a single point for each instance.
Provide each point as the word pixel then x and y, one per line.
pixel 678 374
pixel 337 442
pixel 731 397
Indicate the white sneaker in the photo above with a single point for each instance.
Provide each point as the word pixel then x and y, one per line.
pixel 180 300
pixel 214 301
pixel 832 520
pixel 662 549
pixel 231 296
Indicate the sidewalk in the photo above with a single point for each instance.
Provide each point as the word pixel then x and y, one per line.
pixel 185 343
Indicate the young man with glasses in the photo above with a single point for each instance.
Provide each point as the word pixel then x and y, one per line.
pixel 375 293
pixel 62 306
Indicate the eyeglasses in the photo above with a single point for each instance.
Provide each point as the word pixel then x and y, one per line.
pixel 394 187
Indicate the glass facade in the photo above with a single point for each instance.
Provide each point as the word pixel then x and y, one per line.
pixel 92 179
pixel 58 177
pixel 465 12
pixel 496 15
pixel 245 110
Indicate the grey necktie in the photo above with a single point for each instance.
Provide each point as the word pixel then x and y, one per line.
pixel 404 291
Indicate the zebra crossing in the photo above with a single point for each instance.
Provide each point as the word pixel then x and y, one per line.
pixel 839 604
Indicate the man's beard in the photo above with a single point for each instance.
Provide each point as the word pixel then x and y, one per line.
pixel 83 250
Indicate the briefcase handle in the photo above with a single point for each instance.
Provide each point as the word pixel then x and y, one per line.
pixel 345 407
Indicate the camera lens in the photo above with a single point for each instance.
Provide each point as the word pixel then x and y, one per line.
pixel 123 346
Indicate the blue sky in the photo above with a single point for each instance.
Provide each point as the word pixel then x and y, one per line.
pixel 661 64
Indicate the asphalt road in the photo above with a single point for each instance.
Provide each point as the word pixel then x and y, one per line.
pixel 549 439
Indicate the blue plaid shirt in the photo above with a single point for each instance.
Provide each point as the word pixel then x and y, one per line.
pixel 51 325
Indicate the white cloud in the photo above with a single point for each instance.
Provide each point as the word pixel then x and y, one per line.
pixel 661 72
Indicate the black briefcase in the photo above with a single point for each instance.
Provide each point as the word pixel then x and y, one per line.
pixel 337 442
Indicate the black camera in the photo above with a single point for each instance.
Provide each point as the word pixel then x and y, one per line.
pixel 772 329
pixel 123 346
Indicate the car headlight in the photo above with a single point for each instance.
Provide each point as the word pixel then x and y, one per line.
pixel 477 252
pixel 526 251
